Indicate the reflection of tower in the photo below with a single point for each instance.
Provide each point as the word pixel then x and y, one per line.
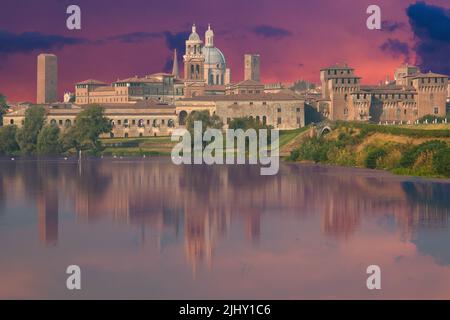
pixel 253 225
pixel 194 65
pixel 47 204
pixel 200 235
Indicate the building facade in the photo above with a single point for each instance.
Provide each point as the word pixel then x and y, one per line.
pixel 47 78
pixel 162 87
pixel 281 110
pixel 412 96
pixel 139 119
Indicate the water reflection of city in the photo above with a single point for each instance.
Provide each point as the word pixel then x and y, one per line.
pixel 196 204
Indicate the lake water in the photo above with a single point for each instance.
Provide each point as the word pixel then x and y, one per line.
pixel 147 229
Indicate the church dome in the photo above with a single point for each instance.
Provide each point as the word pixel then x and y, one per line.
pixel 194 35
pixel 213 56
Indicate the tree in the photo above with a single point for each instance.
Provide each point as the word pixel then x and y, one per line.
pixel 48 142
pixel 3 107
pixel 85 133
pixel 28 134
pixel 8 143
pixel 208 121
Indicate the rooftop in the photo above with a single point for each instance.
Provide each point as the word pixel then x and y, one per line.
pixel 282 96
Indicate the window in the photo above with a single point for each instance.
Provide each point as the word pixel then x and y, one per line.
pixel 60 122
pixel 298 109
pixel 279 110
pixel 436 110
pixel 11 121
pixel 279 121
pixel 119 122
pixel 251 103
pixel 264 103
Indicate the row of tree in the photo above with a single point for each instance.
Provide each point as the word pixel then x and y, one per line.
pixel 37 137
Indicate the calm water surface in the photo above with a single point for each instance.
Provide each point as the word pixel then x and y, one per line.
pixel 149 229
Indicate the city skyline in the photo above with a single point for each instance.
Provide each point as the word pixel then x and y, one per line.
pixel 146 45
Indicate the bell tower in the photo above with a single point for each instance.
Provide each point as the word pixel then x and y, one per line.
pixel 194 61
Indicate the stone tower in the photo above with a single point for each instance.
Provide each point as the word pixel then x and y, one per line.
pixel 251 67
pixel 338 84
pixel 431 94
pixel 47 78
pixel 175 70
pixel 194 61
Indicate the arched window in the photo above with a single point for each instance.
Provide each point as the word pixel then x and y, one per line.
pixel 53 122
pixel 155 123
pixel 217 79
pixel 264 120
pixel 170 123
pixel 211 79
pixel 141 123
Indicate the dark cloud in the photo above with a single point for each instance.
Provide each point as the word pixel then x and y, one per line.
pixel 267 31
pixel 175 41
pixel 396 48
pixel 431 27
pixel 136 37
pixel 29 41
pixel 391 26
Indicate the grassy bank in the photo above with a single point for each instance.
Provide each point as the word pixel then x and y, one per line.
pixel 408 150
pixel 151 146
pixel 163 146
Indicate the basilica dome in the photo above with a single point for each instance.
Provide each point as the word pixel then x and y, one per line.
pixel 213 56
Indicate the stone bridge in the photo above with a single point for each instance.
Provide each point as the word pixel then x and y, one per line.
pixel 322 128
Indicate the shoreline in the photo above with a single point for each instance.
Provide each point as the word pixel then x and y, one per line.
pixel 380 173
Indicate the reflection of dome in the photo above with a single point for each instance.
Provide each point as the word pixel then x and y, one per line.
pixel 213 56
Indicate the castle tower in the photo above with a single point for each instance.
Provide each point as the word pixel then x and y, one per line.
pixel 338 84
pixel 251 67
pixel 47 78
pixel 194 61
pixel 175 70
pixel 431 94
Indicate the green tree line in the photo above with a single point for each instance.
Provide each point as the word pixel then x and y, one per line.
pixel 37 137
